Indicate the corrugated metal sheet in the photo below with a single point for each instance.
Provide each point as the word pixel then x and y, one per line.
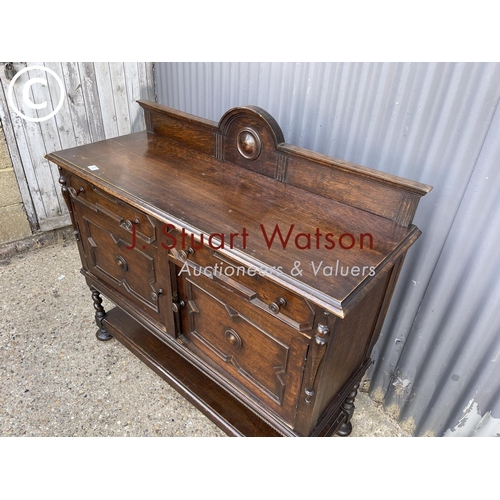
pixel 436 363
pixel 98 103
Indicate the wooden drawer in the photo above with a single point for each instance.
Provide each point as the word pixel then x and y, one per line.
pixel 119 213
pixel 134 272
pixel 267 295
pixel 236 340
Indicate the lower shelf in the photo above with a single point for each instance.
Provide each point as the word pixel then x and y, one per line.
pixel 220 407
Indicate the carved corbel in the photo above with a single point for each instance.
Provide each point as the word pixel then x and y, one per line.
pixel 318 349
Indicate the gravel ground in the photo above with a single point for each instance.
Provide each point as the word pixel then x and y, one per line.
pixel 57 379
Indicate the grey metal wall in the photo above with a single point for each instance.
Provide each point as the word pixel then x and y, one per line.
pixel 437 361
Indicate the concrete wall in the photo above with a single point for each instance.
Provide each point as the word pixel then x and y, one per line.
pixel 13 221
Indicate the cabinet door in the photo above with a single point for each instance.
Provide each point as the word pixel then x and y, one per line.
pixel 259 356
pixel 132 270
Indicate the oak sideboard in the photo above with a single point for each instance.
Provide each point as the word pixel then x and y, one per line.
pixel 252 275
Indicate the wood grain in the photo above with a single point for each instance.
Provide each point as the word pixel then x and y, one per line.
pixel 268 268
pixel 220 197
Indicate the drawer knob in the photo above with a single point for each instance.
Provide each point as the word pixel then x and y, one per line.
pixel 233 338
pixel 121 262
pixel 177 305
pixel 184 254
pixel 155 295
pixel 276 306
pixel 127 224
pixel 76 193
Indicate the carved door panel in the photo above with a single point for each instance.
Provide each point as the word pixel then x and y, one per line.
pixel 257 353
pixel 131 269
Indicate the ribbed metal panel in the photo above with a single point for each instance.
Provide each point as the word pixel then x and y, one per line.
pixel 436 363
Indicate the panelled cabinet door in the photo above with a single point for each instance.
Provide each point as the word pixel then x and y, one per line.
pixel 260 355
pixel 133 269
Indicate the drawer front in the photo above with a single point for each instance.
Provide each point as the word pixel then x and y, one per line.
pixel 120 214
pixel 259 355
pixel 131 270
pixel 269 296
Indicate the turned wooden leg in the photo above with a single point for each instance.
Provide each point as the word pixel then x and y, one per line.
pixel 100 314
pixel 348 408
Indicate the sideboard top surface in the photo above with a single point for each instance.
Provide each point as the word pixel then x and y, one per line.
pixel 194 189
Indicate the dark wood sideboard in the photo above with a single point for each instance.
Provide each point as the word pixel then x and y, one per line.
pixel 252 275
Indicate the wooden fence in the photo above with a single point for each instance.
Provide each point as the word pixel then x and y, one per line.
pixel 98 102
